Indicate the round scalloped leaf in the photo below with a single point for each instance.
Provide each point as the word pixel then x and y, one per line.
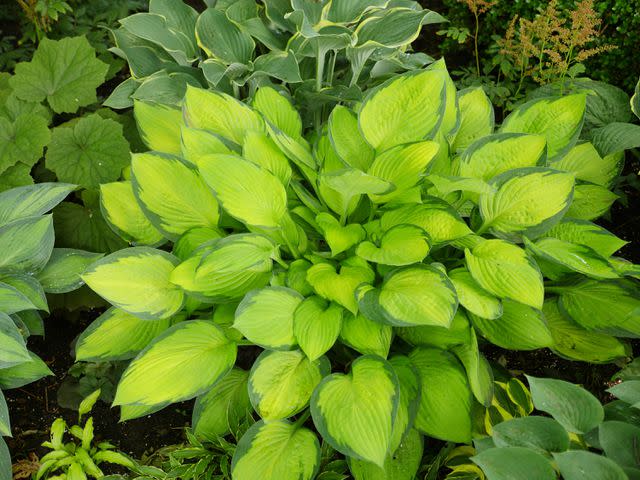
pixel 183 362
pixel 514 462
pixel 22 141
pixel 366 336
pixel 589 234
pixel 276 449
pixel 137 281
pixel 354 412
pixel 538 433
pixel 584 465
pixel 400 245
pixel 477 117
pixel 63 270
pixel 316 325
pixel 473 297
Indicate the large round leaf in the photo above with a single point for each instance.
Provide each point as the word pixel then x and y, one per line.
pixel 583 465
pixel 514 463
pixel 538 433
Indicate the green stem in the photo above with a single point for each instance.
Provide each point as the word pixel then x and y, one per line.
pixel 332 67
pixel 303 418
pixel 236 90
pixel 244 343
pixel 475 42
pixel 320 56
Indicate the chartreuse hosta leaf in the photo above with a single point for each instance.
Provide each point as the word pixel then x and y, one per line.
pixel 117 335
pixel 172 195
pixel 473 297
pixel 13 350
pixel 137 281
pixel 440 337
pixel 260 149
pixel 31 200
pixel 506 271
pixel 279 111
pixel 195 143
pixel 354 413
pixel 406 109
pixel 276 449
pixel 558 119
pixel 183 362
pixel 5 426
pixel 159 126
pixel 62 272
pixel 445 402
pixel 584 465
pixel 366 336
pixel 409 400
pixel 194 240
pixel 347 140
pixel 587 165
pixel 479 372
pixel 26 244
pixel 281 383
pixel 400 245
pixel 477 118
pixel 526 201
pixel 590 202
pixel 412 296
pixel 514 462
pixel 589 234
pixel 316 325
pixel 340 238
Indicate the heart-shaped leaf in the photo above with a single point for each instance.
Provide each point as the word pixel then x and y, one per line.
pixel 340 238
pixel 514 462
pixel 316 325
pixel 366 336
pixel 400 245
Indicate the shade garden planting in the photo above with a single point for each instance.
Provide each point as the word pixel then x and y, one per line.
pixel 291 231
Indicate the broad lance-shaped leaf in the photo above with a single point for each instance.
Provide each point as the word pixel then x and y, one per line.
pixel 281 383
pixel 506 271
pixel 117 335
pixel 261 150
pixel 316 325
pixel 276 449
pixel 354 413
pixel 589 234
pixel 477 117
pixel 5 426
pixel 408 404
pixel 31 200
pixel 159 126
pixel 183 362
pixel 195 143
pixel 12 347
pixel 366 336
pixel 26 244
pixel 538 433
pixel 172 195
pixel 584 465
pixel 412 296
pixel 590 202
pixel 62 272
pixel 473 297
pixel 13 300
pixel 616 137
pixel 347 140
pixel 587 165
pixel 279 111
pixel 400 245
pixel 479 372
pixel 137 281
pixel 514 462
pixel 24 373
pixel 193 241
pixel 221 38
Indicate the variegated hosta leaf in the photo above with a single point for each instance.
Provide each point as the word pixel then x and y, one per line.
pixel 366 336
pixel 316 325
pixel 26 244
pixel 117 335
pixel 347 139
pixel 13 300
pixel 506 271
pixel 590 202
pixel 400 245
pixel 281 383
pixel 265 317
pixel 159 126
pixel 260 149
pixel 172 195
pixel 457 333
pixel 589 234
pixel 278 110
pixel 137 281
pixel 477 118
pixel 558 119
pixel 412 296
pixel 472 296
pixel 479 372
pixel 5 426
pixel 526 201
pixel 445 402
pixel 587 165
pixel 12 347
pixel 23 373
pixel 339 238
pixel 406 109
pixel 354 413
pixel 181 363
pixel 276 449
pixel 31 200
pixel 409 383
pixel 195 240
pixel 196 143
pixel 221 410
pixel 62 272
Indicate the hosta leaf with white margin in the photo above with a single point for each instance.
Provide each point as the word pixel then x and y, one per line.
pixel 117 335
pixel 12 300
pixel 12 347
pixel 611 307
pixel 195 143
pixel 589 234
pixel 411 296
pixel 584 465
pixel 183 362
pixel 64 72
pixel 316 325
pixel 577 410
pixel 22 141
pixel 221 410
pixel 477 117
pixel 26 244
pixel 230 268
pixel 137 281
pixel 574 342
pixel 278 110
pixel 172 195
pixel 445 402
pixel 514 462
pixel 276 449
pixel 5 426
pixel 340 287
pixel 407 108
pixel 24 373
pixel 247 192
pixel 439 219
pixel 265 317
pixel 520 327
pixel 538 433
pixel 62 272
pixel 618 440
pixel 31 200
pixel 616 137
pixel 366 336
pixel 479 372
pixel 281 383
pixel 221 38
pixel 587 165
pixel 526 201
pixel 159 126
pixel 339 238
pixel 457 333
pixel 400 245
pixel 347 140
pixel 123 214
pixel 220 113
pixel 261 150
pixel 473 297
pixel 354 412
pixel 506 271
pixel 558 119
pixel 590 202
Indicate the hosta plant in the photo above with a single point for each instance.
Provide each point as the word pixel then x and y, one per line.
pixel 367 259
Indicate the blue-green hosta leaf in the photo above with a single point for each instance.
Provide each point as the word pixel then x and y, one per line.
pixel 576 409
pixel 347 12
pixel 506 271
pixel 354 413
pixel 392 27
pixel 619 441
pixel 445 402
pixel 584 465
pixel 457 333
pixel 558 119
pixel 172 195
pixel 628 391
pixel 195 143
pixel 31 200
pixel 137 281
pixel 62 272
pixel 159 126
pixel 278 110
pixel 412 296
pixel 22 141
pixel 587 165
pixel 514 462
pixel 589 234
pixel 400 245
pixel 222 409
pixel 5 426
pixel 538 433
pixel 473 297
pixel 526 201
pixel 180 17
pixel 281 65
pixel 479 372
pixel 406 109
pixel 261 150
pixel 64 72
pixel 117 335
pixel 183 362
pixel 12 300
pixel 316 325
pixel 276 449
pixel 616 137
pixel 477 117
pixel 340 238
pixel 265 317
pixel 495 154
pixel 221 38
pixel 247 192
pixel 281 383
pixel 26 244
pixel 590 202
pixel 347 140
pixel 23 373
pixel 366 336
pixel 12 347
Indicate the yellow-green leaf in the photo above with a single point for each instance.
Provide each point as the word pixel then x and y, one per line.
pixel 159 126
pixel 400 245
pixel 347 140
pixel 473 297
pixel 477 118
pixel 316 325
pixel 366 336
pixel 278 110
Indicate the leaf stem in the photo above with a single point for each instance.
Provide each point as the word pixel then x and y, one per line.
pixel 303 418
